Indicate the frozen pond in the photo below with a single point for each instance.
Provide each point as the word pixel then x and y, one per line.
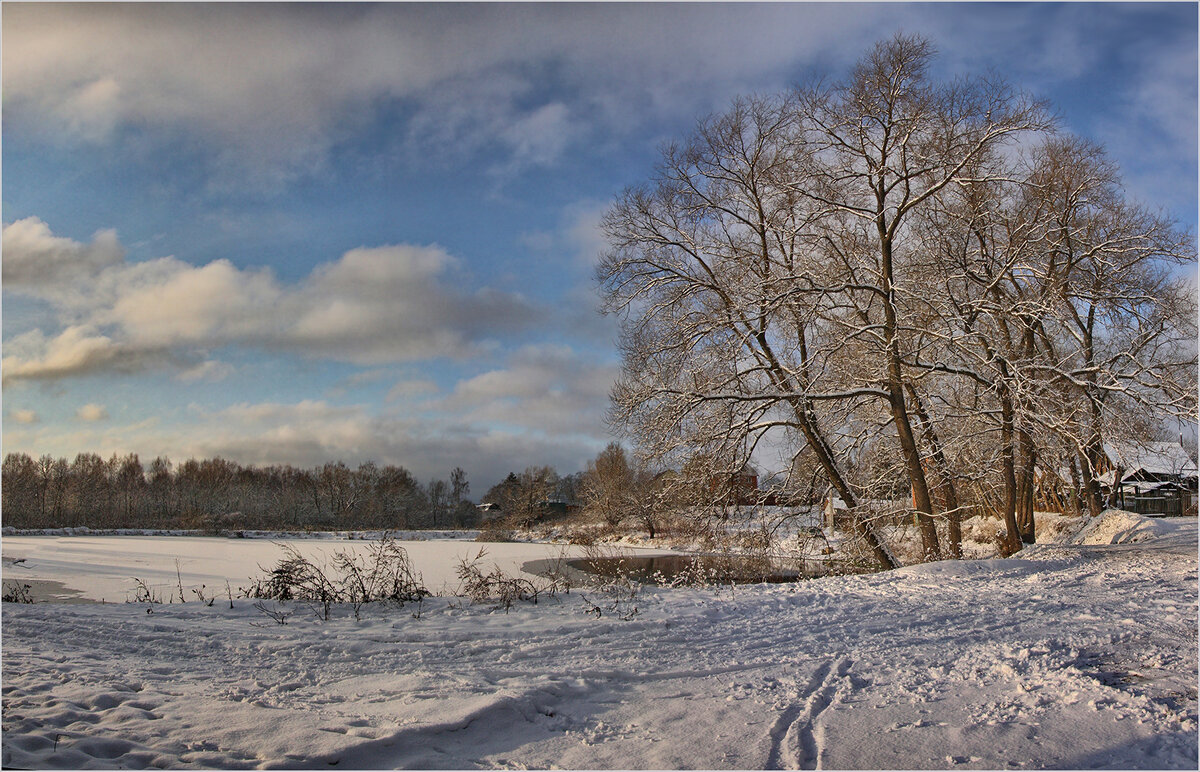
pixel 103 568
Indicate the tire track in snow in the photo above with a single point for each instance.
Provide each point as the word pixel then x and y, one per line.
pixel 792 735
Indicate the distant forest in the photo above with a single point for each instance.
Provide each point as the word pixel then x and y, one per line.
pixel 216 494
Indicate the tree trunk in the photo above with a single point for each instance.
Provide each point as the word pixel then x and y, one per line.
pixel 942 471
pixel 1076 484
pixel 894 385
pixel 816 441
pixel 922 501
pixel 1091 487
pixel 1012 540
pixel 1025 488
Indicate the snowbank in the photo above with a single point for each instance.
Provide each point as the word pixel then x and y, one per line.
pixel 1115 526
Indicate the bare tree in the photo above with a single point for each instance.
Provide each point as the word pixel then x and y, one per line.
pixel 608 485
pixel 708 264
pixel 523 497
pixel 769 269
pixel 881 147
pixel 1063 311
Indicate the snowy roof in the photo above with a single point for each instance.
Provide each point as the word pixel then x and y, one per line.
pixel 1153 457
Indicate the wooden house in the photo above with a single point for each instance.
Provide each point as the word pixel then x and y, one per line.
pixel 1157 478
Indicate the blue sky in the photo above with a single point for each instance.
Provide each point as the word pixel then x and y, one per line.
pixel 292 234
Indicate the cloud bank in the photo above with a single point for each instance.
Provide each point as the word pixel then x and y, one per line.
pixel 375 305
pixel 277 86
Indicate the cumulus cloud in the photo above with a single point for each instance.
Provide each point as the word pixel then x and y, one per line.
pixel 35 257
pixel 371 306
pixel 545 406
pixel 24 416
pixel 91 412
pixel 411 389
pixel 539 138
pixel 270 89
pixel 77 350
pixel 1155 122
pixel 312 432
pixel 542 388
pixel 577 234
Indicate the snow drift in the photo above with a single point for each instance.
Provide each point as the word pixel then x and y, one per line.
pixel 1115 526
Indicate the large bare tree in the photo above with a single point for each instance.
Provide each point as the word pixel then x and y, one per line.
pixel 892 256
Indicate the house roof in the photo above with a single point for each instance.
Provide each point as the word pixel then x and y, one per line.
pixel 1157 458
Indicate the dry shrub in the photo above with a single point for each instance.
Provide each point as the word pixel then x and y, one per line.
pixel 614 588
pixel 582 538
pixel 142 593
pixel 383 574
pixel 1053 527
pixel 17 592
pixel 981 529
pixel 494 531
pixel 500 590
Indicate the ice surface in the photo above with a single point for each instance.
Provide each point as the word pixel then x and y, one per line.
pixel 104 567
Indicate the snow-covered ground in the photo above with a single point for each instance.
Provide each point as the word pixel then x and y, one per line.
pixel 1070 655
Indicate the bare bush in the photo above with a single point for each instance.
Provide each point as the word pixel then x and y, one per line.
pixel 494 531
pixel 16 592
pixel 142 593
pixel 616 596
pixel 280 615
pixel 383 574
pixel 502 590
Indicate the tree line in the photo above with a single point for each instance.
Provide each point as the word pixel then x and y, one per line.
pixel 910 287
pixel 620 491
pixel 218 494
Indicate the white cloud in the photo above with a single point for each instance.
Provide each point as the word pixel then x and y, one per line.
pixel 91 412
pixel 545 406
pixel 1153 123
pixel 371 306
pixel 539 138
pixel 411 389
pixel 270 89
pixel 213 302
pixel 312 432
pixel 273 88
pixel 33 256
pixel 543 389
pixel 578 235
pixel 77 350
pixel 209 370
pixel 24 416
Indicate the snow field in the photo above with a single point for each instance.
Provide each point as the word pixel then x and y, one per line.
pixel 1070 656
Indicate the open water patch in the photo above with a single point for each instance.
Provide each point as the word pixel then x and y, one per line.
pixel 47 591
pixel 679 569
